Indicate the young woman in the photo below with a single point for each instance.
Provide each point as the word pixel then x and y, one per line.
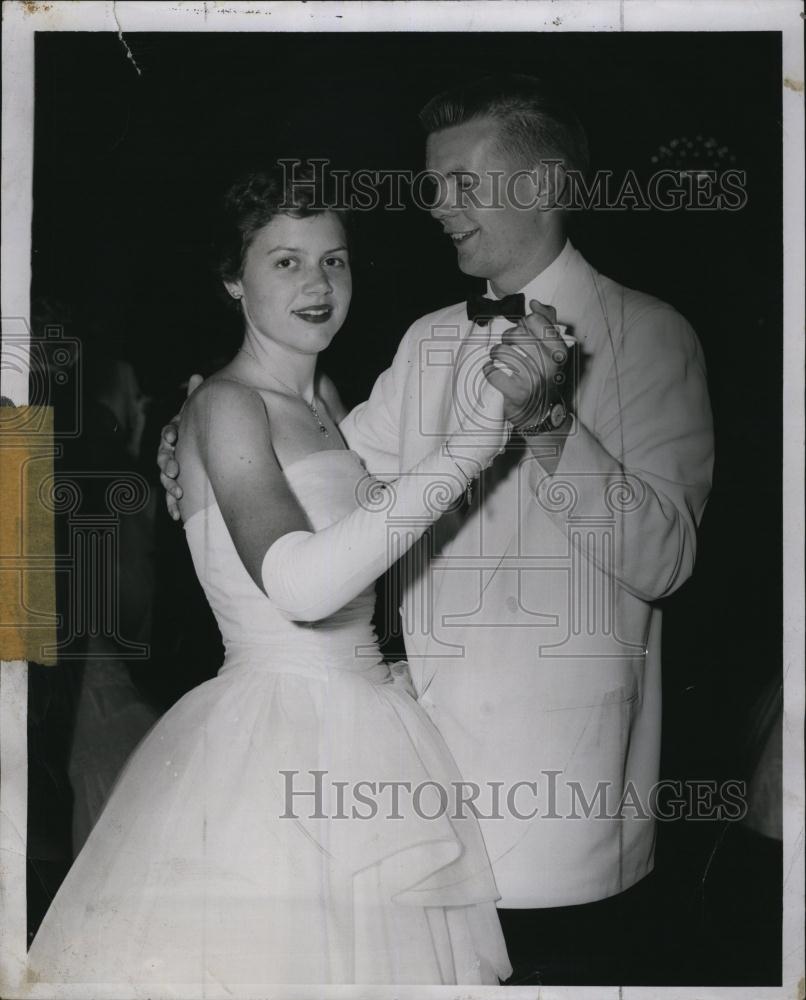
pixel 293 820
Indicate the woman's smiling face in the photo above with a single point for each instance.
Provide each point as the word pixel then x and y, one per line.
pixel 296 283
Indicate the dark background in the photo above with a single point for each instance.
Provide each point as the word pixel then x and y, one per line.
pixel 127 167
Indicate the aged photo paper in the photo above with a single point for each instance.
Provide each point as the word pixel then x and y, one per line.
pixel 122 125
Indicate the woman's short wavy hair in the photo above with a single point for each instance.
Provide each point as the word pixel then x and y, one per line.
pixel 256 198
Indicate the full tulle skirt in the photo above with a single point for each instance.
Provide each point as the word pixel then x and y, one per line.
pixel 248 840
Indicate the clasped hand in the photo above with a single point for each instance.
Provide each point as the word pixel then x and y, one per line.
pixel 528 366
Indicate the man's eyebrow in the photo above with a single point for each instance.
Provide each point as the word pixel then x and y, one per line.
pixel 456 168
pixel 461 172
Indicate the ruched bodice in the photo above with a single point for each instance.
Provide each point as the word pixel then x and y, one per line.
pixel 325 484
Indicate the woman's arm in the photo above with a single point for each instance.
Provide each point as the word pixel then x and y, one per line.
pixel 231 429
pixel 310 575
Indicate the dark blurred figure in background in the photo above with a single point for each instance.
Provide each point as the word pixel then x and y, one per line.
pixel 88 713
pixel 51 690
pixel 85 714
pixel 112 715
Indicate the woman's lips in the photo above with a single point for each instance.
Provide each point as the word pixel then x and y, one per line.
pixel 314 314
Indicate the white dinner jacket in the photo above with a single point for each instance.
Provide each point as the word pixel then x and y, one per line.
pixel 530 619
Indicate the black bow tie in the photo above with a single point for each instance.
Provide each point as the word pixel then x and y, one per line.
pixel 481 309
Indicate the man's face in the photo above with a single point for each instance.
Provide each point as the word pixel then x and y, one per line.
pixel 480 203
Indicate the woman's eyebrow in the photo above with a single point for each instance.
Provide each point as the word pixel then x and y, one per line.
pixel 300 250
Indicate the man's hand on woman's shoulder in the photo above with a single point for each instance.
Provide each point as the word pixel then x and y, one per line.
pixel 166 460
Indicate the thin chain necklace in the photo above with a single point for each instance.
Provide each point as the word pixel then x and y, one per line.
pixel 311 405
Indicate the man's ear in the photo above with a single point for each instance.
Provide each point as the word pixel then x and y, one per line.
pixel 552 181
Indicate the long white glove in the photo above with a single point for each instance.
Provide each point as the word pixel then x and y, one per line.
pixel 310 575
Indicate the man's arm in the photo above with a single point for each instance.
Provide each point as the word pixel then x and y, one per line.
pixel 647 462
pixel 373 428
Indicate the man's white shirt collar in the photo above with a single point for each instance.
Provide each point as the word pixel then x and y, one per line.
pixel 544 286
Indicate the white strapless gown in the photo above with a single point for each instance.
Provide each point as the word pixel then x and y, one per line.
pixel 193 875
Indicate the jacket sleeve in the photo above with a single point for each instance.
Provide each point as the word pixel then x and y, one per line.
pixel 373 428
pixel 647 462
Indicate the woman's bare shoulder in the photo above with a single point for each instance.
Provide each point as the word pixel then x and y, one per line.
pixel 221 392
pixel 222 411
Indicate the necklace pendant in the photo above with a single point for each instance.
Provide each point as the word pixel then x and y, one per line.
pixel 318 419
